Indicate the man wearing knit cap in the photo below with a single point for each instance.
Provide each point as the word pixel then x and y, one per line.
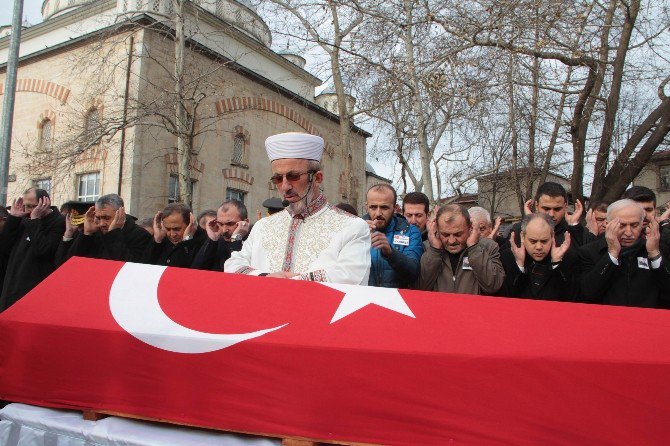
pixel 310 239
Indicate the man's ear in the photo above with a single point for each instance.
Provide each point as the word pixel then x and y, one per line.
pixel 318 177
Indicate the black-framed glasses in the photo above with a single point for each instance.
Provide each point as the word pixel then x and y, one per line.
pixel 290 176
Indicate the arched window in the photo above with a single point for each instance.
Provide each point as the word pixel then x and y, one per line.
pixel 92 122
pixel 46 133
pixel 238 150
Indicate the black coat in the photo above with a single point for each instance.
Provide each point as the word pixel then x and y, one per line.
pixel 540 280
pixel 212 255
pixel 31 246
pixel 629 283
pixel 128 244
pixel 180 255
pixel 576 234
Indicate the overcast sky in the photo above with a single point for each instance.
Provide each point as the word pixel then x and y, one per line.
pixel 31 11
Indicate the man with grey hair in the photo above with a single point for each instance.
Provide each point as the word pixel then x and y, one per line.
pixel 627 266
pixel 311 239
pixel 539 268
pixel 458 259
pixel 109 233
pixel 486 226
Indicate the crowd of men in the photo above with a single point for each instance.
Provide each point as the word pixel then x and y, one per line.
pixel 618 256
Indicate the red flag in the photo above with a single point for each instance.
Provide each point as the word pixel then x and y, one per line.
pixel 346 363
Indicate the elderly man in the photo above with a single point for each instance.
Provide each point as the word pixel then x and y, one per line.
pixel 176 237
pixel 109 234
pixel 627 266
pixel 224 236
pixel 458 259
pixel 486 227
pixel 396 245
pixel 310 239
pixel 29 241
pixel 539 268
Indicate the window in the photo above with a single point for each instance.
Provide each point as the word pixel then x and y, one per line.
pixel 92 122
pixel 173 190
pixel 235 194
pixel 46 131
pixel 238 150
pixel 44 183
pixel 88 188
pixel 664 172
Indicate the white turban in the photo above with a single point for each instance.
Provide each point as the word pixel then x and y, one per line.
pixel 294 145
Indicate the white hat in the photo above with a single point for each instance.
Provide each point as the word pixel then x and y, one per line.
pixel 294 145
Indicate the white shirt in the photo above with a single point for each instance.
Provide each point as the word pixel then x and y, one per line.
pixel 327 245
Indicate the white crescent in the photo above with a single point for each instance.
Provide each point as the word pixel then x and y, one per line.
pixel 133 300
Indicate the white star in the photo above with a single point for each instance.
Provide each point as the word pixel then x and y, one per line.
pixel 357 297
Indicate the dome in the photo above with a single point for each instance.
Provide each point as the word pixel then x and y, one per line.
pixel 239 13
pixel 53 8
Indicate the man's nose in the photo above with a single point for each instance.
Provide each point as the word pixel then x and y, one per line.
pixel 285 184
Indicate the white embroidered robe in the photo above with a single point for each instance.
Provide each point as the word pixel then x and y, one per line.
pixel 329 245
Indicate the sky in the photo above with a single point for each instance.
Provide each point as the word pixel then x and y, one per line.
pixel 31 11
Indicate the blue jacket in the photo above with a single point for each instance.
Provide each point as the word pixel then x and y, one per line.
pixel 401 269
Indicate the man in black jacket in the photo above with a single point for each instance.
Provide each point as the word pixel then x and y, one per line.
pixel 177 237
pixel 552 199
pixel 108 234
pixel 224 235
pixel 539 269
pixel 626 268
pixel 30 237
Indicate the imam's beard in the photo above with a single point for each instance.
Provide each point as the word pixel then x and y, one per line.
pixel 300 206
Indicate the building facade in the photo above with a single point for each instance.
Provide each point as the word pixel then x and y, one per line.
pixel 656 176
pixel 96 100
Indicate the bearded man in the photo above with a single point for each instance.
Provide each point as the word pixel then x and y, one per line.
pixel 310 239
pixel 396 245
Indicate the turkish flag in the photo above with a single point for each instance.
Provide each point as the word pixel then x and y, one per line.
pixel 336 362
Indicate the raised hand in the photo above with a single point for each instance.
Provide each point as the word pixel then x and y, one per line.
pixel 192 226
pixel 473 239
pixel 90 226
pixel 159 230
pixel 70 229
pixel 18 209
pixel 557 252
pixel 612 234
pixel 119 219
pixel 665 215
pixel 242 228
pixel 591 223
pixel 213 230
pixel 574 218
pixel 518 251
pixel 43 208
pixel 653 242
pixel 433 237
pixel 527 209
pixel 496 228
